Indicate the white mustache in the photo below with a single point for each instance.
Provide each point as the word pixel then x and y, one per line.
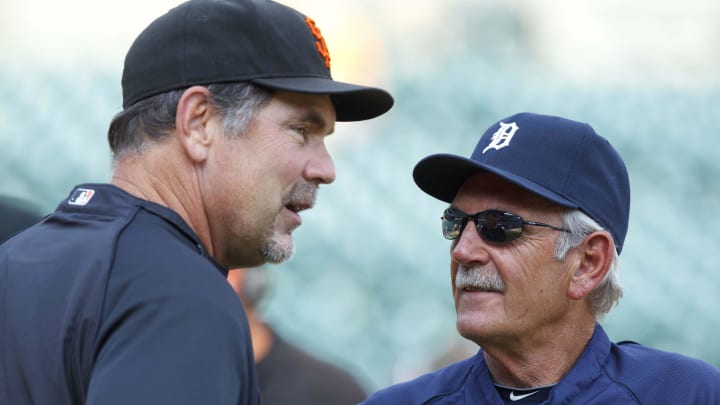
pixel 478 278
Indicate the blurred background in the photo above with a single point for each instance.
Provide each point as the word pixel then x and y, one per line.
pixel 369 288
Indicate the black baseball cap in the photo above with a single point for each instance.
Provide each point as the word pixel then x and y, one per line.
pixel 561 160
pixel 202 42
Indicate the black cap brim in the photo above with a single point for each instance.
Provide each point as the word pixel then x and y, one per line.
pixel 352 102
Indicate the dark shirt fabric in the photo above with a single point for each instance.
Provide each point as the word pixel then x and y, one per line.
pixel 113 300
pixel 290 376
pixel 605 373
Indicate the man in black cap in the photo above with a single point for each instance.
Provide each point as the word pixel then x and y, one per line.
pixel 119 296
pixel 537 218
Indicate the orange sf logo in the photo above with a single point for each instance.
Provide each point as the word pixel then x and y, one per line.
pixel 320 43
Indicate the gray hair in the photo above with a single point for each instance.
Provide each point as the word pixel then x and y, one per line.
pixel 153 118
pixel 607 294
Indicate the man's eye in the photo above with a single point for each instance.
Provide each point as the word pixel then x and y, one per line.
pixel 300 130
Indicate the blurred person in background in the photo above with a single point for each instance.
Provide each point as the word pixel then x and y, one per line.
pixel 286 373
pixel 537 218
pixel 120 296
pixel 16 215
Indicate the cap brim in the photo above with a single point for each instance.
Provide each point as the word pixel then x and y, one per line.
pixel 352 102
pixel 442 175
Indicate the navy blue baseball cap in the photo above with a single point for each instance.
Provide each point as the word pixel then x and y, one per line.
pixel 561 160
pixel 202 42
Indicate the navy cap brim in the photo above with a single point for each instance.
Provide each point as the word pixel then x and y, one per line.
pixel 352 102
pixel 442 175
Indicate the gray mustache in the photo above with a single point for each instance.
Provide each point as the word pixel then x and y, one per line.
pixel 481 278
pixel 302 194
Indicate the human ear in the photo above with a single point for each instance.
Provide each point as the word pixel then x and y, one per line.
pixel 595 257
pixel 191 122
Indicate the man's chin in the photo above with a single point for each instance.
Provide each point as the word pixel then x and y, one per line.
pixel 278 249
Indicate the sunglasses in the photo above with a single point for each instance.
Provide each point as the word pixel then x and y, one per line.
pixel 492 225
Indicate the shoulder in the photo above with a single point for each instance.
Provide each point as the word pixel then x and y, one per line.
pixel 159 268
pixel 149 231
pixel 174 304
pixel 426 387
pixel 637 356
pixel 650 372
pixel 155 261
pixel 155 247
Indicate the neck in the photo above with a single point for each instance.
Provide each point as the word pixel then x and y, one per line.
pixel 536 362
pixel 165 178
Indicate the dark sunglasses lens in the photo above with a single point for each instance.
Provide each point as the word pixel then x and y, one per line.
pixel 452 225
pixel 500 227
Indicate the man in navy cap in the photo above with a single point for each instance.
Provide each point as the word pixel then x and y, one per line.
pixel 120 296
pixel 537 218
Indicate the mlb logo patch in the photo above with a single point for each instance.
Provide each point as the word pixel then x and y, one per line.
pixel 81 196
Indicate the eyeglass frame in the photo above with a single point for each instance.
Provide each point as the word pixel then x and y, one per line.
pixel 480 220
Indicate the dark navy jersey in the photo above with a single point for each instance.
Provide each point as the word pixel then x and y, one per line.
pixel 605 373
pixel 113 300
